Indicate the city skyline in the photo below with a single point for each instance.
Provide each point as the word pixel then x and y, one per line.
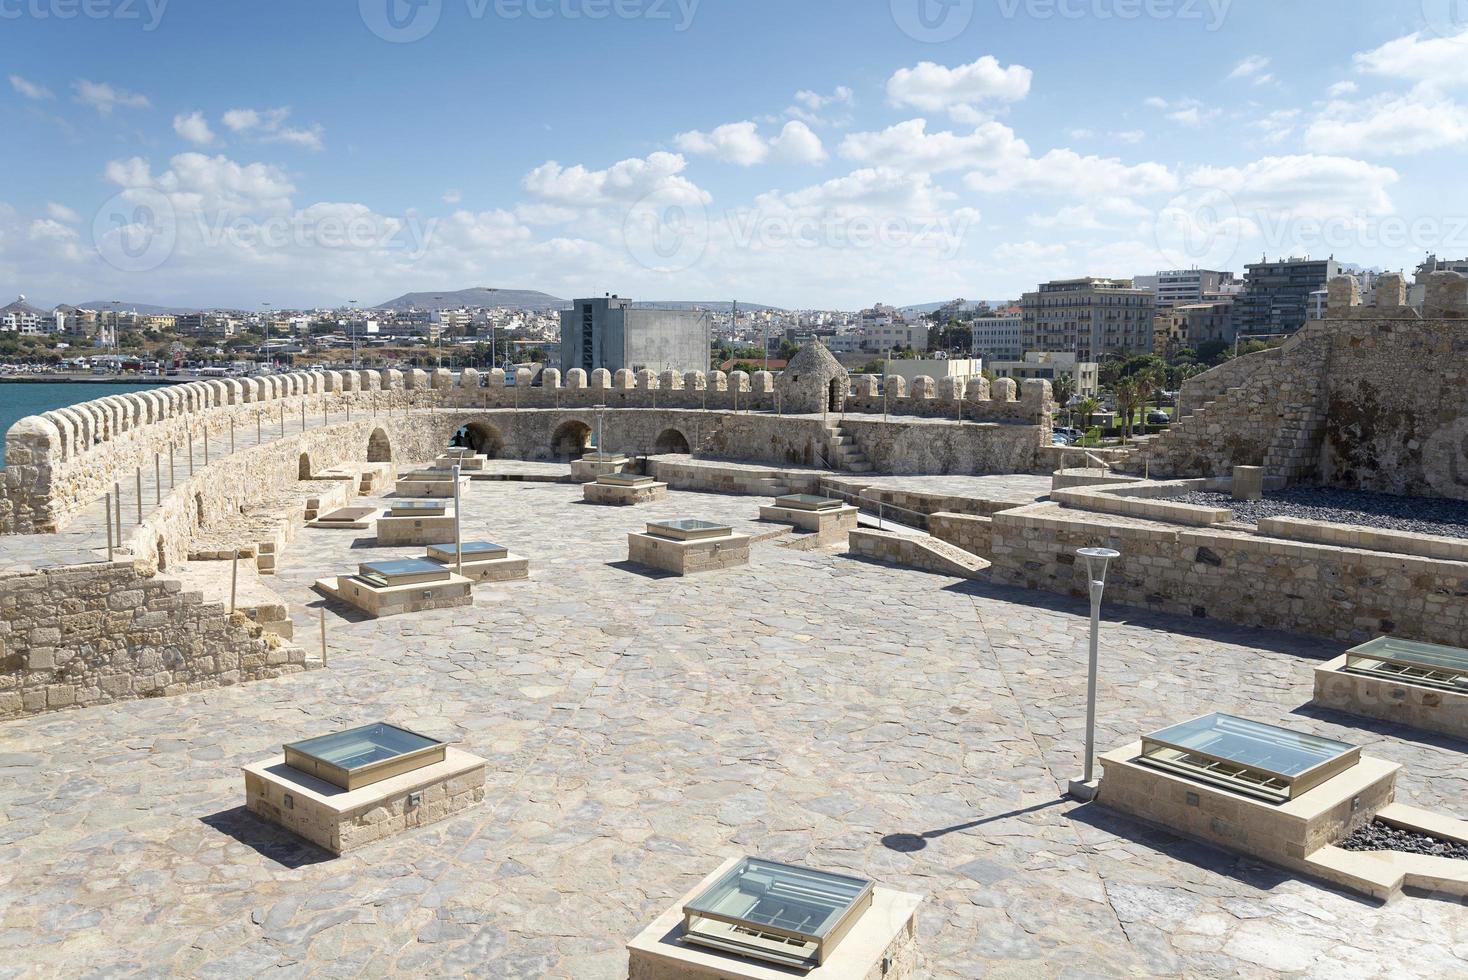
pixel 332 156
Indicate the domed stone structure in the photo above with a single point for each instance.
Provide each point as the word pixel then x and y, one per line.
pixel 814 381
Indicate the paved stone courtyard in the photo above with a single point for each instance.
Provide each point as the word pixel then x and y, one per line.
pixel 810 708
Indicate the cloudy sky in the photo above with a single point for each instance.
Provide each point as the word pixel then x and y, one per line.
pixel 803 153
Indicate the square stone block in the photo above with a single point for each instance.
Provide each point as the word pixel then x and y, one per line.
pixel 624 495
pixel 828 525
pixel 1248 483
pixel 415 530
pixel 882 945
pixel 1281 833
pixel 341 820
pixel 593 465
pixel 380 601
pixel 688 557
pixel 419 485
pixel 510 568
pixel 348 519
pixel 1430 709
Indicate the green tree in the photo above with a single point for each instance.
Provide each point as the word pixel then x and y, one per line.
pixel 1086 408
pixel 1126 405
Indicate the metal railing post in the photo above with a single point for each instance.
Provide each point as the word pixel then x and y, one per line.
pixel 107 519
pixel 157 480
pixel 139 475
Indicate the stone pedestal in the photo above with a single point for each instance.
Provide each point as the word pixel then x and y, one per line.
pixel 342 820
pixel 829 526
pixel 415 530
pixel 507 567
pixel 419 485
pixel 624 494
pixel 1248 483
pixel 593 465
pixel 1282 833
pixel 379 601
pixel 1416 706
pixel 688 557
pixel 882 945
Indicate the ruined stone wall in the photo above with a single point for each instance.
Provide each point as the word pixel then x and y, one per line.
pixel 1371 397
pixel 95 634
pixel 1347 594
pixel 936 448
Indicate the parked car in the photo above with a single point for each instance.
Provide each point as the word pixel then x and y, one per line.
pixel 1158 418
pixel 1061 439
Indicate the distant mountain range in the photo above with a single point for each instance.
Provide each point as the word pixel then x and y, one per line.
pixel 717 306
pixel 146 309
pixel 523 299
pixel 918 309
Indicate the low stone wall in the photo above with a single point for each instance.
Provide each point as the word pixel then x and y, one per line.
pixel 94 634
pixel 924 554
pixel 1347 594
pixel 970 532
pixel 937 448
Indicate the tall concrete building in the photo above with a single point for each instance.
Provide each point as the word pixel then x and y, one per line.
pixel 1088 317
pixel 611 333
pixel 1276 296
pixel 1177 287
pixel 997 338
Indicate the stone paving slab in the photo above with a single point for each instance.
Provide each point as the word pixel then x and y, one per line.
pixel 909 727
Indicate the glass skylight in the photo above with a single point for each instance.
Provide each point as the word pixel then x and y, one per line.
pixel 1412 662
pixel 366 755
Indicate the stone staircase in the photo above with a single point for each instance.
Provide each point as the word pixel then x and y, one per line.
pixel 920 551
pixel 842 452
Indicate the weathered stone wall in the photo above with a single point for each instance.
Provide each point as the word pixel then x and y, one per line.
pixel 937 448
pixel 94 634
pixel 967 531
pixel 1371 397
pixel 59 462
pixel 1348 594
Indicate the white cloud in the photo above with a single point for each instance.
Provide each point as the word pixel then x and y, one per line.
pixel 1064 171
pixel 1389 125
pixel 197 183
pixel 1278 125
pixel 932 87
pixel 1252 68
pixel 1030 252
pixel 60 212
pixel 1306 185
pixel 1092 217
pixel 30 89
pixel 268 126
pixel 909 146
pixel 453 196
pixel 1342 88
pixel 104 97
pixel 193 128
pixel 1129 136
pixel 876 189
pixel 622 183
pixel 741 143
pixel 1420 58
pixel 1185 112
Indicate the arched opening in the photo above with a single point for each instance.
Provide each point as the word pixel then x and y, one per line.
pixel 379 450
pixel 303 468
pixel 672 441
pixel 833 397
pixel 570 440
pixel 485 439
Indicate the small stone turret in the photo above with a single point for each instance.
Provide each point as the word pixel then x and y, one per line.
pixel 814 381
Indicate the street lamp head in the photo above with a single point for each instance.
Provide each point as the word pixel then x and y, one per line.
pixel 1096 561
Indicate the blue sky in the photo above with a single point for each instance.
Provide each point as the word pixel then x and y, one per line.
pixel 808 153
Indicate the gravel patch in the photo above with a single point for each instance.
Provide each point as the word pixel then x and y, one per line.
pixel 1383 511
pixel 1377 836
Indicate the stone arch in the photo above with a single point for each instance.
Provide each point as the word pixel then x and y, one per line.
pixel 570 440
pixel 379 449
pixel 303 467
pixel 672 440
pixel 485 439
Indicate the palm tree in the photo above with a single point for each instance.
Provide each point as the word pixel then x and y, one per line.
pixel 1064 388
pixel 1085 409
pixel 1126 404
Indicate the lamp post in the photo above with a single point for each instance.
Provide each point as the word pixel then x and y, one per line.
pixel 458 526
pixel 1096 561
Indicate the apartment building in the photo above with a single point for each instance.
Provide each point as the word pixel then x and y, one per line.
pixel 1178 287
pixel 1276 296
pixel 997 338
pixel 1088 317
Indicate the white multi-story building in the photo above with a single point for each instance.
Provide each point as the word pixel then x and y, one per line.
pixel 1050 365
pixel 997 338
pixel 1178 287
